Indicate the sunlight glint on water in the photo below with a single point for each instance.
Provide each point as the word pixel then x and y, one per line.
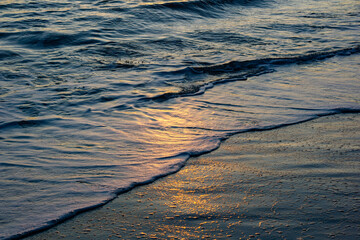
pixel 98 96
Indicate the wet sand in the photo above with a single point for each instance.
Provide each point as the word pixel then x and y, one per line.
pixel 295 182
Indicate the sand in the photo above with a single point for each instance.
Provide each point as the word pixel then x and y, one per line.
pixel 295 182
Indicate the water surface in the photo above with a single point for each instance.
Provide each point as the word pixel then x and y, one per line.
pixel 98 96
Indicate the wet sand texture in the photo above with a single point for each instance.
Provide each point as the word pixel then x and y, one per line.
pixel 295 182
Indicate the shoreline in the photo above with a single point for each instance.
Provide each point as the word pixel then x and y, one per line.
pixel 252 186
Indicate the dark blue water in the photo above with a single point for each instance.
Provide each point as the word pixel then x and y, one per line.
pixel 98 96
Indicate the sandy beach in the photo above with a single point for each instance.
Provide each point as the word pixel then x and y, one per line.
pixel 295 182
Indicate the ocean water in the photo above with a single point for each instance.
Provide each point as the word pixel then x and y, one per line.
pixel 98 96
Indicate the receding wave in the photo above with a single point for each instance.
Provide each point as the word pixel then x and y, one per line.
pixel 241 71
pixel 324 112
pixel 235 66
pixel 203 8
pixel 199 4
pixel 196 88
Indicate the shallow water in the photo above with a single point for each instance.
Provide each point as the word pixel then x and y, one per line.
pixel 98 96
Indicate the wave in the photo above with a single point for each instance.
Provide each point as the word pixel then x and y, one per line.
pixel 31 5
pixel 5 54
pixel 178 163
pixel 200 4
pixel 184 9
pixel 41 122
pixel 25 123
pixel 47 39
pixel 320 113
pixel 234 66
pixel 114 49
pixel 192 89
pixel 241 71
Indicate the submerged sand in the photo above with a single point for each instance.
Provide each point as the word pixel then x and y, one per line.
pixel 295 182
